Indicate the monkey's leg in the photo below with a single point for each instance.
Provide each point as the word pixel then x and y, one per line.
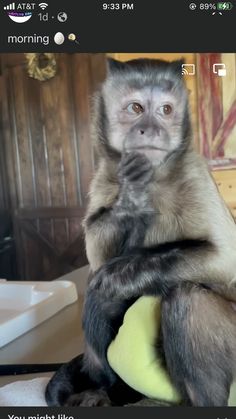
pixel 71 385
pixel 68 380
pixel 199 341
pixel 65 382
pixel 88 380
pixel 119 394
pixel 101 321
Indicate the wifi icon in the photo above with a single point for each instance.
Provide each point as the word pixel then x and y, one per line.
pixel 43 5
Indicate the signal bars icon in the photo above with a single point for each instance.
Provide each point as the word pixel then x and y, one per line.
pixel 10 6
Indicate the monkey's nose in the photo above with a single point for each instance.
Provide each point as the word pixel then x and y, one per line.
pixel 141 131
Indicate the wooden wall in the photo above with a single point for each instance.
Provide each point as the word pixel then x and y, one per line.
pixel 48 158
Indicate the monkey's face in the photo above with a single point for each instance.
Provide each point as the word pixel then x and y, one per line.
pixel 146 109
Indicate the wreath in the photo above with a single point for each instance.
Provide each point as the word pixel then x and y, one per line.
pixel 41 66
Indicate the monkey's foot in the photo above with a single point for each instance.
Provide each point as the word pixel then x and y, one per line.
pixel 89 398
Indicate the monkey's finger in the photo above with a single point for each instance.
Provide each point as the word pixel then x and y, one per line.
pixel 130 175
pixel 134 156
pixel 140 176
pixel 136 167
pixel 137 161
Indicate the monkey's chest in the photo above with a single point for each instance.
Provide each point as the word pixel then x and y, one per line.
pixel 165 228
pixel 178 216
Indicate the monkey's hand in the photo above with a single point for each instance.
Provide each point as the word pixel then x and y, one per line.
pixel 135 173
pixel 124 277
pixel 105 276
pixel 135 170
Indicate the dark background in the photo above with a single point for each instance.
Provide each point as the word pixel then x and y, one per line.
pixel 154 25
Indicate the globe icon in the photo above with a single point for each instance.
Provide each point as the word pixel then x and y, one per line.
pixel 62 16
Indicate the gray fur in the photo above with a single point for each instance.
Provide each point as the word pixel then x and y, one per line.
pixel 157 225
pixel 184 203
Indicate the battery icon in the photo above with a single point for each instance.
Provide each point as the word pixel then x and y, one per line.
pixel 224 5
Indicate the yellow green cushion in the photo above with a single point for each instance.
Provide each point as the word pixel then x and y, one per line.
pixel 133 356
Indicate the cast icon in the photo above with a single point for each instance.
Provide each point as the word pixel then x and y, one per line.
pixel 188 69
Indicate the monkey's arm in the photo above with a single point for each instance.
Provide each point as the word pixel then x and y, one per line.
pixel 108 228
pixel 157 270
pixel 123 279
pixel 152 271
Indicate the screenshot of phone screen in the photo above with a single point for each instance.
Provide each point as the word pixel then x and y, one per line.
pixel 117 209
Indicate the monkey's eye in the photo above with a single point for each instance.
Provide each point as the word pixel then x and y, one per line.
pixel 166 109
pixel 135 108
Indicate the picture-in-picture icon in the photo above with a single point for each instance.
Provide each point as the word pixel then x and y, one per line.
pixel 219 69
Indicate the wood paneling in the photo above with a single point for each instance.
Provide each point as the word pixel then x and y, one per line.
pixel 49 160
pixel 226 182
pixel 217 110
pixel 51 256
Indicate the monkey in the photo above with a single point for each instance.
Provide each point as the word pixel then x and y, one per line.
pixel 155 225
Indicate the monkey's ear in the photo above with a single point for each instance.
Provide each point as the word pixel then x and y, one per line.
pixel 177 66
pixel 114 65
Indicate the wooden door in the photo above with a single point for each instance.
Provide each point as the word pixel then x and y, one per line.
pixel 48 156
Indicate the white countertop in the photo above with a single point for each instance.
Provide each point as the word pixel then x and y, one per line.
pixel 56 340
